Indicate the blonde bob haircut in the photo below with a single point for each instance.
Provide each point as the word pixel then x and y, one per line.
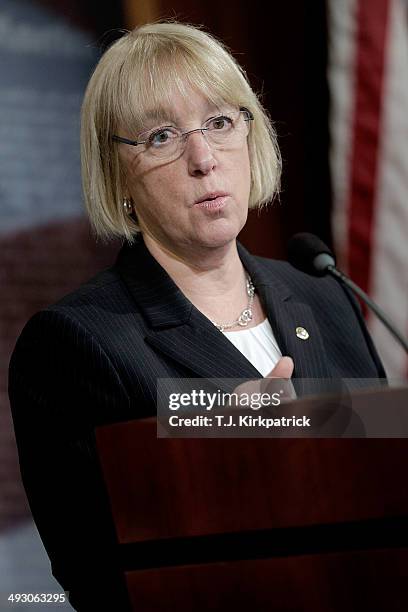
pixel 140 72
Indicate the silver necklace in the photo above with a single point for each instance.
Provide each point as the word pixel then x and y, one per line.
pixel 246 315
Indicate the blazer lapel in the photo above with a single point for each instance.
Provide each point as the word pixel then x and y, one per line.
pixel 203 349
pixel 285 313
pixel 308 354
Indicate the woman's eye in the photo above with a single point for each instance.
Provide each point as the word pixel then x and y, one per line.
pixel 162 137
pixel 220 123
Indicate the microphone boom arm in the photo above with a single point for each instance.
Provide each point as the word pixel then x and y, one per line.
pixel 376 309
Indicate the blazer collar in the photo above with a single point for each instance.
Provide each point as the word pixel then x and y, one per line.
pixel 181 331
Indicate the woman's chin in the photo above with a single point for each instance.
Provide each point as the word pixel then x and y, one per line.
pixel 218 235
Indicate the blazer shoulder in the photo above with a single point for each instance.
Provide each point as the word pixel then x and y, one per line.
pixel 274 265
pixel 104 282
pixel 294 279
pixel 98 303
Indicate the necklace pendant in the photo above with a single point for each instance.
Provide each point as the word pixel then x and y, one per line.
pixel 245 317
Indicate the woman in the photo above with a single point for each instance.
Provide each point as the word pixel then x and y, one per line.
pixel 176 148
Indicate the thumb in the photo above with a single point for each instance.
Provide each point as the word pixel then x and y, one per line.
pixel 283 369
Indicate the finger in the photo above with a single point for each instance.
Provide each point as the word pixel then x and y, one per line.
pixel 283 369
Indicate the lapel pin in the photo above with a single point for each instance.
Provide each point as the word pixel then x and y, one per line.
pixel 302 333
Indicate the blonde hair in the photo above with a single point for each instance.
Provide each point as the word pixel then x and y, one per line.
pixel 139 73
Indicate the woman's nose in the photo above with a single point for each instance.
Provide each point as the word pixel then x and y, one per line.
pixel 199 153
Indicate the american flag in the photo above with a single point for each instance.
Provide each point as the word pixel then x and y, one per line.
pixel 368 79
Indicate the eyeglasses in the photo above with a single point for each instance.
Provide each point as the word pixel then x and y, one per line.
pixel 168 142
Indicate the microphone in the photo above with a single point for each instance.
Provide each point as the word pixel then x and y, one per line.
pixel 308 253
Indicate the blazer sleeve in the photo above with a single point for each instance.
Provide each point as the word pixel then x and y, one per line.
pixel 62 384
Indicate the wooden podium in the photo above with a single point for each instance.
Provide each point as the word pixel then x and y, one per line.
pixel 260 524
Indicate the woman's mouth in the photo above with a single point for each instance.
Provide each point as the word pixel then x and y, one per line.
pixel 212 203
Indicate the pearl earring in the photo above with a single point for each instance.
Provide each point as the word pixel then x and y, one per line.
pixel 128 206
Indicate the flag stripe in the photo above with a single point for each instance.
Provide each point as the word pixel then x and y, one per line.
pixel 369 72
pixel 341 42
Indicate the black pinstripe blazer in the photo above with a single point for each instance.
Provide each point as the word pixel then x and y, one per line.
pixel 95 357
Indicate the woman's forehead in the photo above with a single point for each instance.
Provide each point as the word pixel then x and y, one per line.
pixel 179 100
pixel 182 109
pixel 179 109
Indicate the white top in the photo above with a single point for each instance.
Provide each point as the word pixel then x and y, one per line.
pixel 258 344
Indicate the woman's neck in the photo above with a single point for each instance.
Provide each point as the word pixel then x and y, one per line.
pixel 215 273
pixel 215 283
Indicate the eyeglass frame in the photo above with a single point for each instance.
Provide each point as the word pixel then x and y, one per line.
pixel 135 143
